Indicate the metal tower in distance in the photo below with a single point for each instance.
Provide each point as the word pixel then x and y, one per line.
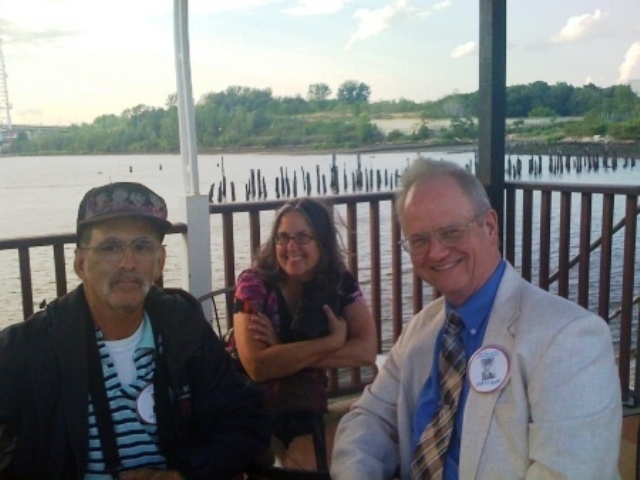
pixel 6 129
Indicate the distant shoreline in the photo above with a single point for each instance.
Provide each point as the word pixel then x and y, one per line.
pixel 294 150
pixel 513 145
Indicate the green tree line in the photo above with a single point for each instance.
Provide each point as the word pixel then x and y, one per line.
pixel 244 117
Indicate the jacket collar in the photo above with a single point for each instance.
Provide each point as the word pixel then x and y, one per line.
pixel 500 332
pixel 68 330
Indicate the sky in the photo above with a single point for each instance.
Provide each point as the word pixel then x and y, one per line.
pixel 71 61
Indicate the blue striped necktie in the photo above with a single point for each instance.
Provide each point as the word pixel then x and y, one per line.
pixel 428 459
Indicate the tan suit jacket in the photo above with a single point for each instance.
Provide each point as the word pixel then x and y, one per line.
pixel 558 415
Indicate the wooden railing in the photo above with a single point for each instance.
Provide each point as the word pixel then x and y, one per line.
pixel 588 255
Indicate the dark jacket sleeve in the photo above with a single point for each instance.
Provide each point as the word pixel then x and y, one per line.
pixel 11 389
pixel 229 424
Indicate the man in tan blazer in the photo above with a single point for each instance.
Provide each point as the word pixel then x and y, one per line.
pixel 551 406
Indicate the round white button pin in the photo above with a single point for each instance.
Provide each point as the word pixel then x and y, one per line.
pixel 488 369
pixel 145 405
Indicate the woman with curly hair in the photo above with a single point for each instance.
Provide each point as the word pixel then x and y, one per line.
pixel 299 311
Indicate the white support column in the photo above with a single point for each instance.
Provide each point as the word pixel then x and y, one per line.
pixel 196 255
pixel 186 115
pixel 196 266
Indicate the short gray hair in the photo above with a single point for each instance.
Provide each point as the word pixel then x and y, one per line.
pixel 428 169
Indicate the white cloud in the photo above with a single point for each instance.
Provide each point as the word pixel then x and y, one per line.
pixel 437 8
pixel 209 7
pixel 118 15
pixel 631 60
pixel 373 22
pixel 579 26
pixel 57 20
pixel 316 7
pixel 78 12
pixel 443 5
pixel 464 50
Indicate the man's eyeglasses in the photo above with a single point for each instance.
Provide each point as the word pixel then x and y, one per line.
pixel 299 238
pixel 448 236
pixel 112 250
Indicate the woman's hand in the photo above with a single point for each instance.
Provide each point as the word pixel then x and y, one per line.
pixel 361 345
pixel 262 330
pixel 265 357
pixel 337 327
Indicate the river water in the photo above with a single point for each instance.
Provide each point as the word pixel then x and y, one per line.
pixel 40 195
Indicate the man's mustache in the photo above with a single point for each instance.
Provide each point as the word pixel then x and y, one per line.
pixel 126 277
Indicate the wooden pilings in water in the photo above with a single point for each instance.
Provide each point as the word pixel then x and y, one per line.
pixel 285 186
pixel 570 157
pixel 521 159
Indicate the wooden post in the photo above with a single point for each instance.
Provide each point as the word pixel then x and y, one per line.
pixel 492 102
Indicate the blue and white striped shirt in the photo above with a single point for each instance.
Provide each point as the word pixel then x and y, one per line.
pixel 137 441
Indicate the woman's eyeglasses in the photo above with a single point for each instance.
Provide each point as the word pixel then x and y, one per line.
pixel 299 238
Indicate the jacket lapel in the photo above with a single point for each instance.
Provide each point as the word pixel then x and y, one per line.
pixel 70 315
pixel 480 406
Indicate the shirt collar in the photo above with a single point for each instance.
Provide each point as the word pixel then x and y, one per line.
pixel 476 309
pixel 147 334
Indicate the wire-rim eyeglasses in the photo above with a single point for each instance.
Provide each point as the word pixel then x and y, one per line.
pixel 112 250
pixel 450 236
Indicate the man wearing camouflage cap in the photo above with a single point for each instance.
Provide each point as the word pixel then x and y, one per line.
pixel 121 379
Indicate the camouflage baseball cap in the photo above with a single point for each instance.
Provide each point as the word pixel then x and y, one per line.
pixel 122 199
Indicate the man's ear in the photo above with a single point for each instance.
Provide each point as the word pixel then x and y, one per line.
pixel 491 221
pixel 78 263
pixel 162 257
